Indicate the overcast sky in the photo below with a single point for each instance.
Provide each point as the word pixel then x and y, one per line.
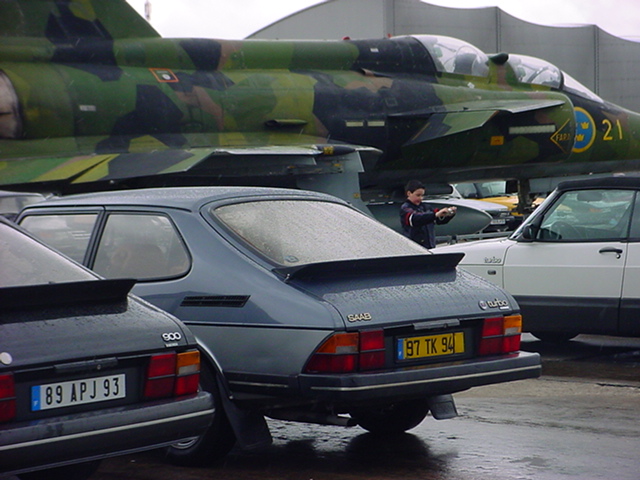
pixel 235 19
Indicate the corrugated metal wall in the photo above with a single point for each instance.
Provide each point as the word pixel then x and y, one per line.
pixel 333 20
pixel 608 65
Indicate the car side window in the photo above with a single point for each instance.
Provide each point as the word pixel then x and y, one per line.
pixel 140 246
pixel 467 190
pixel 588 215
pixel 67 233
pixel 634 231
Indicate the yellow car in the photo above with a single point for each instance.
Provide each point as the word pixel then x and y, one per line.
pixel 496 192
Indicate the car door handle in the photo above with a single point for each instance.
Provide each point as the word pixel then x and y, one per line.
pixel 617 251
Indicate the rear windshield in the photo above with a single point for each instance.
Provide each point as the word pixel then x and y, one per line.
pixel 297 232
pixel 24 261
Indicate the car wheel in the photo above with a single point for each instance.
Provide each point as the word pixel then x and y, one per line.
pixel 554 337
pixel 395 418
pixel 79 471
pixel 215 443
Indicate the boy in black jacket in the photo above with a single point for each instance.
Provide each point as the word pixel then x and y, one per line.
pixel 419 219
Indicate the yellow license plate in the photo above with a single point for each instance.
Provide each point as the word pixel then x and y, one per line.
pixel 430 346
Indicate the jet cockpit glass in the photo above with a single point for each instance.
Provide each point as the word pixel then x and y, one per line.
pixel 571 85
pixel 540 72
pixel 452 55
pixel 536 71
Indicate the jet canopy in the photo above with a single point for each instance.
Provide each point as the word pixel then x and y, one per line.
pixel 452 55
pixel 540 72
pixel 536 71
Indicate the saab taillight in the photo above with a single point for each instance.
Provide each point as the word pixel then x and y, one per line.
pixel 348 352
pixel 337 354
pixel 172 374
pixel 7 397
pixel 187 373
pixel 500 335
pixel 372 350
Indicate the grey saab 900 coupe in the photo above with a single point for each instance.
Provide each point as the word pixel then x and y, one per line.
pixel 305 308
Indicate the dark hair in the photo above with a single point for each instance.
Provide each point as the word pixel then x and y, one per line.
pixel 413 185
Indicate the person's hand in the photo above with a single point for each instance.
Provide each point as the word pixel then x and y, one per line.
pixel 446 212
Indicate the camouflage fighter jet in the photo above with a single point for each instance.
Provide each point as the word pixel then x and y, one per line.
pixel 91 97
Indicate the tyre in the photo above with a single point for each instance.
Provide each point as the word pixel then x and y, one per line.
pixel 395 418
pixel 79 471
pixel 213 445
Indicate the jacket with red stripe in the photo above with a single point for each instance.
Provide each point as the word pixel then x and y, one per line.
pixel 419 221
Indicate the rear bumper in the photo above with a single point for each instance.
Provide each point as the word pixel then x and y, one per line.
pixel 421 382
pixel 70 439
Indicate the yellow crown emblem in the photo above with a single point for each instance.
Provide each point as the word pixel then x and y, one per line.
pixel 580 137
pixel 584 125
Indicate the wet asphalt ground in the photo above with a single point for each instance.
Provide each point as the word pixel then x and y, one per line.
pixel 579 421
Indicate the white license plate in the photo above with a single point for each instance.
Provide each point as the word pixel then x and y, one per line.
pixel 77 392
pixel 498 221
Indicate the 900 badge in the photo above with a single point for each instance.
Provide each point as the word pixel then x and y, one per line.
pixel 171 336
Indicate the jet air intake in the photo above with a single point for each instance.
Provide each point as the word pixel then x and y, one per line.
pixel 522 129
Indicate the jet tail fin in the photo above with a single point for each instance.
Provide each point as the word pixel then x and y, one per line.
pixel 71 20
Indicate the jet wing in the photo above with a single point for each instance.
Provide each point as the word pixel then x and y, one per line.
pixel 90 168
pixel 65 170
pixel 460 117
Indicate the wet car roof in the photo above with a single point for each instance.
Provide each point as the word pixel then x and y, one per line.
pixel 189 198
pixel 600 182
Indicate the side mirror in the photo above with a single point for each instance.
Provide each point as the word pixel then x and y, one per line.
pixel 529 233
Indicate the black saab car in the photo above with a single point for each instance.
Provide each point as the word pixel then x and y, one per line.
pixel 306 308
pixel 87 371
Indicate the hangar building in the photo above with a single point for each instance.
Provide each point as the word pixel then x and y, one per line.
pixel 608 65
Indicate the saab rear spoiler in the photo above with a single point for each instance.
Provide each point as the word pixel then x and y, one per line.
pixel 64 294
pixel 368 266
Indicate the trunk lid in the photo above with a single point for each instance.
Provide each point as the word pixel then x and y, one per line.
pixel 391 291
pixel 47 324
